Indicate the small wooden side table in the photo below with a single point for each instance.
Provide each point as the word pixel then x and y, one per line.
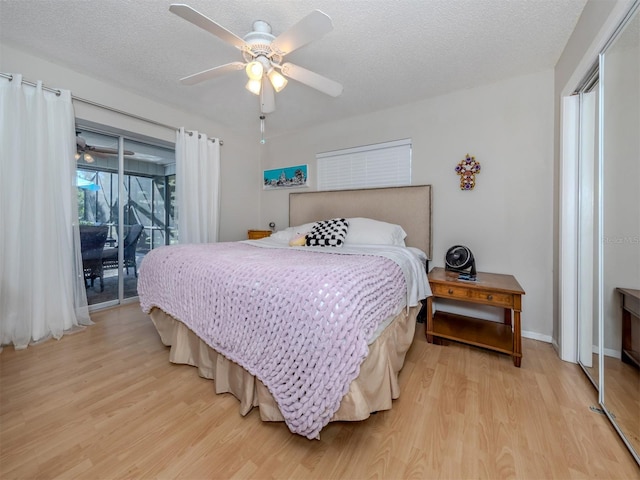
pixel 492 289
pixel 258 234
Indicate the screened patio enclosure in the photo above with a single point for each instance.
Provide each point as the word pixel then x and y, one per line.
pixel 136 213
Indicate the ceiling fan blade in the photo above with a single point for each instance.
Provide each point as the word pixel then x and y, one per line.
pixel 212 73
pixel 92 149
pixel 204 22
pixel 106 150
pixel 310 28
pixel 267 97
pixel 312 79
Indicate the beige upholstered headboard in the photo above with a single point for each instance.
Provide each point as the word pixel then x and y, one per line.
pixel 409 207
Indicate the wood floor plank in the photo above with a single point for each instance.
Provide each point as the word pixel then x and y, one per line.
pixel 106 403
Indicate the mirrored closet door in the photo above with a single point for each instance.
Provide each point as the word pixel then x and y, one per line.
pixel 588 327
pixel 619 230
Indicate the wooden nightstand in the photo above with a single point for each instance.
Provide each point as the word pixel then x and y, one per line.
pixel 492 289
pixel 257 234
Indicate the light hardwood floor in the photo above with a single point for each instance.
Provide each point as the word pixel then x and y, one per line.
pixel 622 395
pixel 106 403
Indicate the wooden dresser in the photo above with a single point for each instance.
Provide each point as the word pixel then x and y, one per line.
pixel 630 326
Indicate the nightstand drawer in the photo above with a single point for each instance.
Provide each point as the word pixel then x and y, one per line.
pixel 258 234
pixel 497 299
pixel 449 291
pixel 464 293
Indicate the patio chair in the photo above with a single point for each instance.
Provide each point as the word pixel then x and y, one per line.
pixel 110 255
pixel 92 240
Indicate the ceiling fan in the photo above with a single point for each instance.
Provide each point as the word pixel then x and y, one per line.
pixel 263 55
pixel 88 152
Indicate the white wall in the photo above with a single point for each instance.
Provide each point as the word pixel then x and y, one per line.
pixel 507 220
pixel 507 126
pixel 240 159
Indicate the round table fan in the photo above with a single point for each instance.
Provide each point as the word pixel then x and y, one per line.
pixel 460 259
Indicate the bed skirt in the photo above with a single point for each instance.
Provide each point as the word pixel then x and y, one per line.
pixel 373 390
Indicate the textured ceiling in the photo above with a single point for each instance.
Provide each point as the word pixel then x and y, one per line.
pixel 384 52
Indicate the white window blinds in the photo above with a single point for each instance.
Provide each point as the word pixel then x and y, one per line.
pixel 380 165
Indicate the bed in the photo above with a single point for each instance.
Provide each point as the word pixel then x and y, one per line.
pixel 269 322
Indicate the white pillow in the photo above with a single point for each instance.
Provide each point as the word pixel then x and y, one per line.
pixel 289 233
pixel 374 232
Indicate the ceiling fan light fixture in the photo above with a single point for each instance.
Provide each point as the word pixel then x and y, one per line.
pixel 254 86
pixel 262 52
pixel 277 80
pixel 254 70
pixel 88 158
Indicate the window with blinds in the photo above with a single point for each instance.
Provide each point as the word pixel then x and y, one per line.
pixel 385 164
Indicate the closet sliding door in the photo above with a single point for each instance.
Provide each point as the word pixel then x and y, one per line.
pixel 588 327
pixel 619 243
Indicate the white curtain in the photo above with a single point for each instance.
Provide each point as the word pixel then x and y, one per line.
pixel 197 187
pixel 42 290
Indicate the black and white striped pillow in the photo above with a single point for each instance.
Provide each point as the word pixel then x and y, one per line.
pixel 328 233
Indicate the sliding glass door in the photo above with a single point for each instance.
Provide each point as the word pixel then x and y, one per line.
pixel 97 193
pixel 136 213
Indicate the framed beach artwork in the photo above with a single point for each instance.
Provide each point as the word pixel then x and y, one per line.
pixel 286 177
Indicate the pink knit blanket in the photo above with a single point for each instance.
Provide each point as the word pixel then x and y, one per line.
pixel 298 320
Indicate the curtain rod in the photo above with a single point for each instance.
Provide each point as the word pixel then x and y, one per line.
pixel 9 77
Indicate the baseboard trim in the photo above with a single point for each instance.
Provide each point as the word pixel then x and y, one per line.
pixel 537 336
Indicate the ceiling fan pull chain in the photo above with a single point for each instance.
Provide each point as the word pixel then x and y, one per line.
pixel 262 140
